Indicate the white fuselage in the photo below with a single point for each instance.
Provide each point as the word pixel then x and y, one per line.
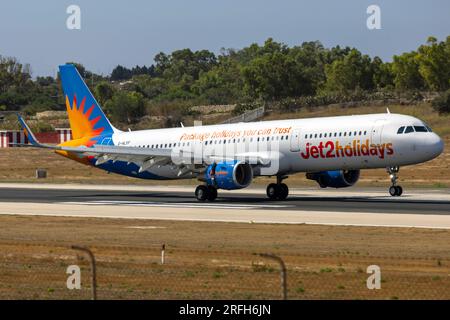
pixel 300 145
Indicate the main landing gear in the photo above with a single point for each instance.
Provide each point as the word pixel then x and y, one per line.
pixel 277 191
pixel 203 193
pixel 394 190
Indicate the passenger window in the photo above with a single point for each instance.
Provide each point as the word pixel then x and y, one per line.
pixel 360 133
pixel 345 134
pixel 400 130
pixel 335 134
pixel 349 134
pixel 420 129
pixel 325 135
pixel 409 129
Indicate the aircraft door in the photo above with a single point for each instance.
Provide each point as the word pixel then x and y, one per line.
pixel 295 140
pixel 377 131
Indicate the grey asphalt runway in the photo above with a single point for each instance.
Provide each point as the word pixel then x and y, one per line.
pixel 352 207
pixel 311 200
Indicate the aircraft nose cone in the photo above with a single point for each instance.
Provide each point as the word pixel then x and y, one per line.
pixel 436 145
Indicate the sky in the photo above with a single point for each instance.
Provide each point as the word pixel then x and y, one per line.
pixel 132 32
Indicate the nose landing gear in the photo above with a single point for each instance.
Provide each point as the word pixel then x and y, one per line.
pixel 394 190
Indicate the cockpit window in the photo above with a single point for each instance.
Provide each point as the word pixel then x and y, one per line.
pixel 409 129
pixel 400 130
pixel 420 129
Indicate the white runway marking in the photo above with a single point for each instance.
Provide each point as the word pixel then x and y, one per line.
pixel 179 204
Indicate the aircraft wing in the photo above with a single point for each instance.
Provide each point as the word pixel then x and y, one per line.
pixel 144 157
pixel 147 157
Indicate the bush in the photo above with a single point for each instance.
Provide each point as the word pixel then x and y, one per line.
pixel 42 127
pixel 442 103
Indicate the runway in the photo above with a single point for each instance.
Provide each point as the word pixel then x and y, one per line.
pixel 417 208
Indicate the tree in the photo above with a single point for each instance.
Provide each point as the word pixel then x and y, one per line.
pixel 434 63
pixel 126 106
pixel 222 84
pixel 406 72
pixel 349 73
pixel 382 74
pixel 120 73
pixel 442 103
pixel 104 91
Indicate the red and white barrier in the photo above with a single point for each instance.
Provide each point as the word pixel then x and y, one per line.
pixel 4 139
pixel 8 138
pixel 65 134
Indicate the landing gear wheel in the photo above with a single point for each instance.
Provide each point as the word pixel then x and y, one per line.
pixel 201 193
pixel 393 191
pixel 212 193
pixel 283 191
pixel 272 191
pixel 277 191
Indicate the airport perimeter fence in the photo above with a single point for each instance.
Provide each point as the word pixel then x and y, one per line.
pixel 42 271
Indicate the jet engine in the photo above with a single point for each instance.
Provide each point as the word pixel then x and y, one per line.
pixel 229 175
pixel 335 178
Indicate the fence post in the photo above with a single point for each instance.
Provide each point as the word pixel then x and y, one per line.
pixel 163 252
pixel 282 272
pixel 93 268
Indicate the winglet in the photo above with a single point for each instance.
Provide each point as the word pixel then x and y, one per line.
pixel 28 133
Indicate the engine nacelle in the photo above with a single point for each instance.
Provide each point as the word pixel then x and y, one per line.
pixel 229 175
pixel 335 178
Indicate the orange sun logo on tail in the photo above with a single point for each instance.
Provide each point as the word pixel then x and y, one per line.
pixel 83 128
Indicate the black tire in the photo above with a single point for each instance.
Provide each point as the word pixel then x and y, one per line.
pixel 283 191
pixel 272 191
pixel 393 191
pixel 212 193
pixel 399 191
pixel 201 193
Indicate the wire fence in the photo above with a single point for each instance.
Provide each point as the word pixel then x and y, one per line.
pixel 42 271
pixel 251 115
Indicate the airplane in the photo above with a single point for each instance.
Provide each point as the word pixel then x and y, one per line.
pixel 330 150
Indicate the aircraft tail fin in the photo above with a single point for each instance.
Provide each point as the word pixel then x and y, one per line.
pixel 85 115
pixel 27 131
